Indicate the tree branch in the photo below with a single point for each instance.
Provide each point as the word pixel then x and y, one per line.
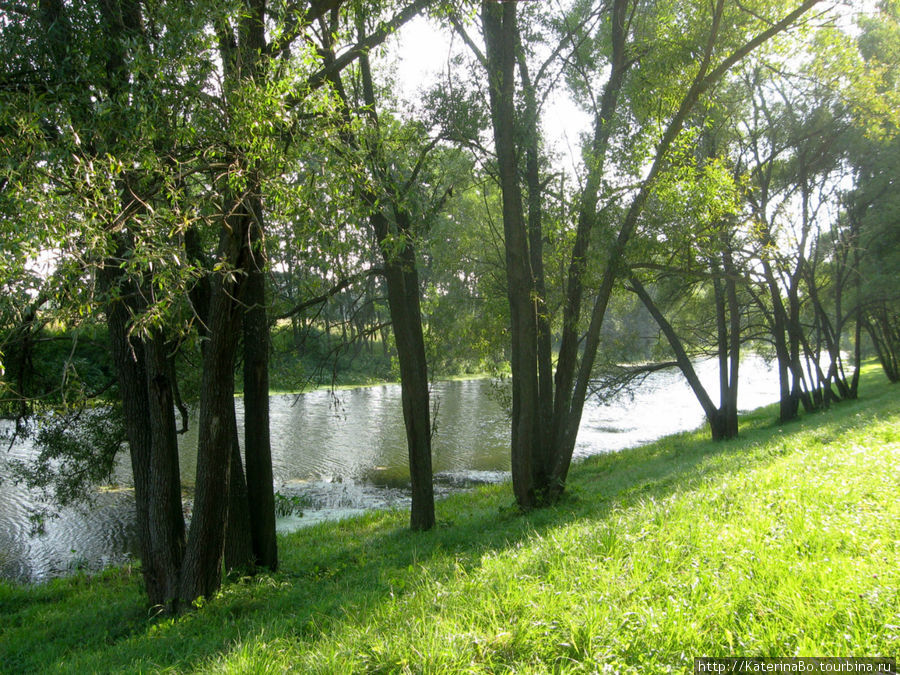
pixel 323 297
pixel 319 78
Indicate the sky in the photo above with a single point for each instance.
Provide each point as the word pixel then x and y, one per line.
pixel 420 54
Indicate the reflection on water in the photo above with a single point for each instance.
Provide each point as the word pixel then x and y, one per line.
pixel 91 538
pixel 346 452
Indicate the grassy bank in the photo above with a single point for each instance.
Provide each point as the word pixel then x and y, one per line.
pixel 784 542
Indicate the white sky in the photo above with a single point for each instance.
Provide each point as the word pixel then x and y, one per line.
pixel 422 52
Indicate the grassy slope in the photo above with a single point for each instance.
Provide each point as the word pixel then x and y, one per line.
pixel 784 542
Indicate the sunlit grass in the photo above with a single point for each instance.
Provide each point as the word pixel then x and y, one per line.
pixel 784 542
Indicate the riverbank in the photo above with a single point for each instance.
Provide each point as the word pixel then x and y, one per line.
pixel 784 542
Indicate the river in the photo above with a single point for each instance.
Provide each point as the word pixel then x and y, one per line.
pixel 345 452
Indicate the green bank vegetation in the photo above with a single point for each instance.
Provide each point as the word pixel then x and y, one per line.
pixel 782 542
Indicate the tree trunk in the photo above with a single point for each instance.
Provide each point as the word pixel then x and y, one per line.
pixel 787 405
pixel 257 445
pixel 542 463
pixel 402 280
pixel 202 568
pixel 128 357
pixel 403 299
pixel 499 23
pixel 238 554
pixel 730 402
pixel 148 407
pixel 716 418
pixel 165 509
pixel 722 342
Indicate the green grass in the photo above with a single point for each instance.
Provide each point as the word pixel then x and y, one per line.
pixel 784 542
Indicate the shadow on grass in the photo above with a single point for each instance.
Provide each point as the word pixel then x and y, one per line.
pixel 339 571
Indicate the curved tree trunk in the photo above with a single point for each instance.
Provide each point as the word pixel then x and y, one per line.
pixel 716 418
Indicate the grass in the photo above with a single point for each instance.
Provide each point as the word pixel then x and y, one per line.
pixel 784 542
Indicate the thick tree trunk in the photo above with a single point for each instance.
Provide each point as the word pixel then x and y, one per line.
pixel 257 444
pixel 238 554
pixel 128 357
pixel 500 32
pixel 542 463
pixel 148 407
pixel 165 509
pixel 202 568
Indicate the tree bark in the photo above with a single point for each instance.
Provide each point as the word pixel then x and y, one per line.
pixel 129 360
pixel 257 444
pixel 165 509
pixel 542 461
pixel 238 555
pixel 499 24
pixel 202 567
pixel 730 399
pixel 403 301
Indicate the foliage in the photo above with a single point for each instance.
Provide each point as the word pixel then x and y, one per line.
pixel 325 359
pixel 51 367
pixel 290 505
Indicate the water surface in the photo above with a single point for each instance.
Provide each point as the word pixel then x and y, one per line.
pixel 345 452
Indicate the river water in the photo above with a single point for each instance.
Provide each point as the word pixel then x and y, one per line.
pixel 345 452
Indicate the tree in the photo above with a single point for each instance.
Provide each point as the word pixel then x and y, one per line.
pixel 670 55
pixel 872 232
pixel 692 258
pixel 397 206
pixel 161 176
